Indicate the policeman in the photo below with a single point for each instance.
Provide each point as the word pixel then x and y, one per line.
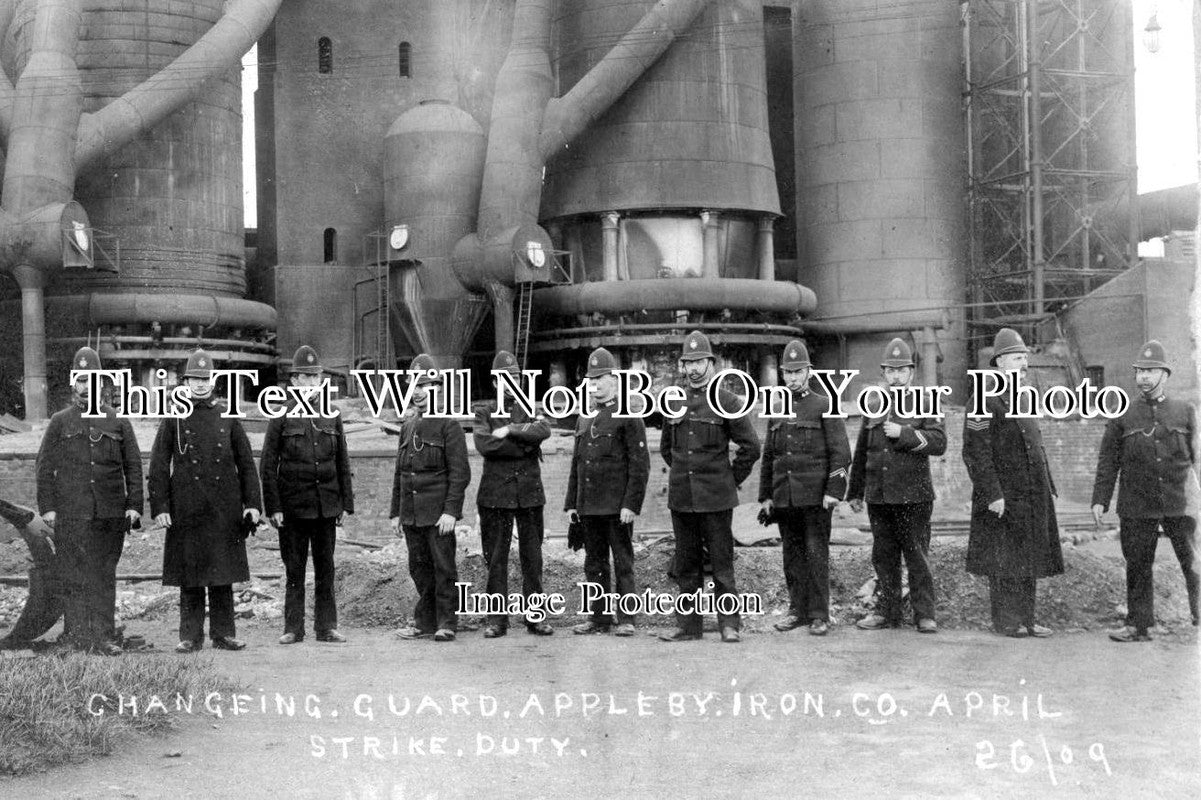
pixel 1014 538
pixel 305 471
pixel 510 489
pixel 605 489
pixel 89 489
pixel 1151 447
pixel 203 486
pixel 891 469
pixel 430 482
pixel 802 478
pixel 703 487
pixel 44 602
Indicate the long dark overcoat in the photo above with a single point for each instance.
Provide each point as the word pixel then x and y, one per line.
pixel 202 473
pixel 1006 460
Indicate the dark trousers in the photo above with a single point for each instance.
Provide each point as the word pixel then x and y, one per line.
pixel 1139 540
pixel 1012 601
pixel 602 535
pixel 45 602
pixel 295 538
pixel 191 612
pixel 88 552
pixel 902 530
pixel 697 533
pixel 805 541
pixel 433 570
pixel 496 533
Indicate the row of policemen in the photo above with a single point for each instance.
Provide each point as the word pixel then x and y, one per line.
pixel 204 490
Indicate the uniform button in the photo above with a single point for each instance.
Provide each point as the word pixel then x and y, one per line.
pixel 218 445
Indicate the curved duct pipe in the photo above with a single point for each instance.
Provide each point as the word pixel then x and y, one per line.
pixel 123 309
pixel 887 322
pixel 667 294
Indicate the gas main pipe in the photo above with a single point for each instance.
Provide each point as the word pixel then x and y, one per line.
pixel 528 126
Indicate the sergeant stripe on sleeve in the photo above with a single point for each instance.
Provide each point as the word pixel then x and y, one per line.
pixel 978 424
pixel 840 471
pixel 921 439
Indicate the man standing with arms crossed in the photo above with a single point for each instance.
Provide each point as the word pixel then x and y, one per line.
pixel 802 478
pixel 89 487
pixel 605 489
pixel 703 488
pixel 1151 447
pixel 891 469
pixel 305 471
pixel 510 490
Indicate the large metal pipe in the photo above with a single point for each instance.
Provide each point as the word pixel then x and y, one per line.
pixel 127 309
pixel 670 294
pixel 887 322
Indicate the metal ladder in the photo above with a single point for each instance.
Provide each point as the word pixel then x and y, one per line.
pixel 525 310
pixel 384 310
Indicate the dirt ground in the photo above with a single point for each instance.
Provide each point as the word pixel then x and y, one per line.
pixel 889 713
pixel 894 714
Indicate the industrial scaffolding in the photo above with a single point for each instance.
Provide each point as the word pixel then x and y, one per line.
pixel 1049 110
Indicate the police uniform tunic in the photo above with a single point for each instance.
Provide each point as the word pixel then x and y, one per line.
pixel 510 490
pixel 1006 461
pixel 610 467
pixel 702 492
pixel 89 472
pixel 804 460
pixel 202 473
pixel 305 471
pixel 431 479
pixel 1151 447
pixel 893 476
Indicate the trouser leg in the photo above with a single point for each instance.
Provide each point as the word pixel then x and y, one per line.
pixel 294 550
pixel 496 534
pixel 1006 605
pixel 1181 532
pixel 688 561
pixel 105 546
pixel 44 602
pixel 221 612
pixel 914 542
pixel 719 539
pixel 442 549
pixel 621 545
pixel 70 537
pixel 1139 538
pixel 529 549
pixel 792 549
pixel 887 533
pixel 815 522
pixel 324 536
pixel 191 613
pixel 421 570
pixel 596 560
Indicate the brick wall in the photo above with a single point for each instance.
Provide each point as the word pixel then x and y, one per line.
pixel 1071 448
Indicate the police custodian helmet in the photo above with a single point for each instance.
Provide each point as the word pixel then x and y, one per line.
pixel 796 356
pixel 506 361
pixel 1007 341
pixel 696 346
pixel 600 362
pixel 423 363
pixel 85 358
pixel 1152 356
pixel 200 365
pixel 305 361
pixel 897 354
